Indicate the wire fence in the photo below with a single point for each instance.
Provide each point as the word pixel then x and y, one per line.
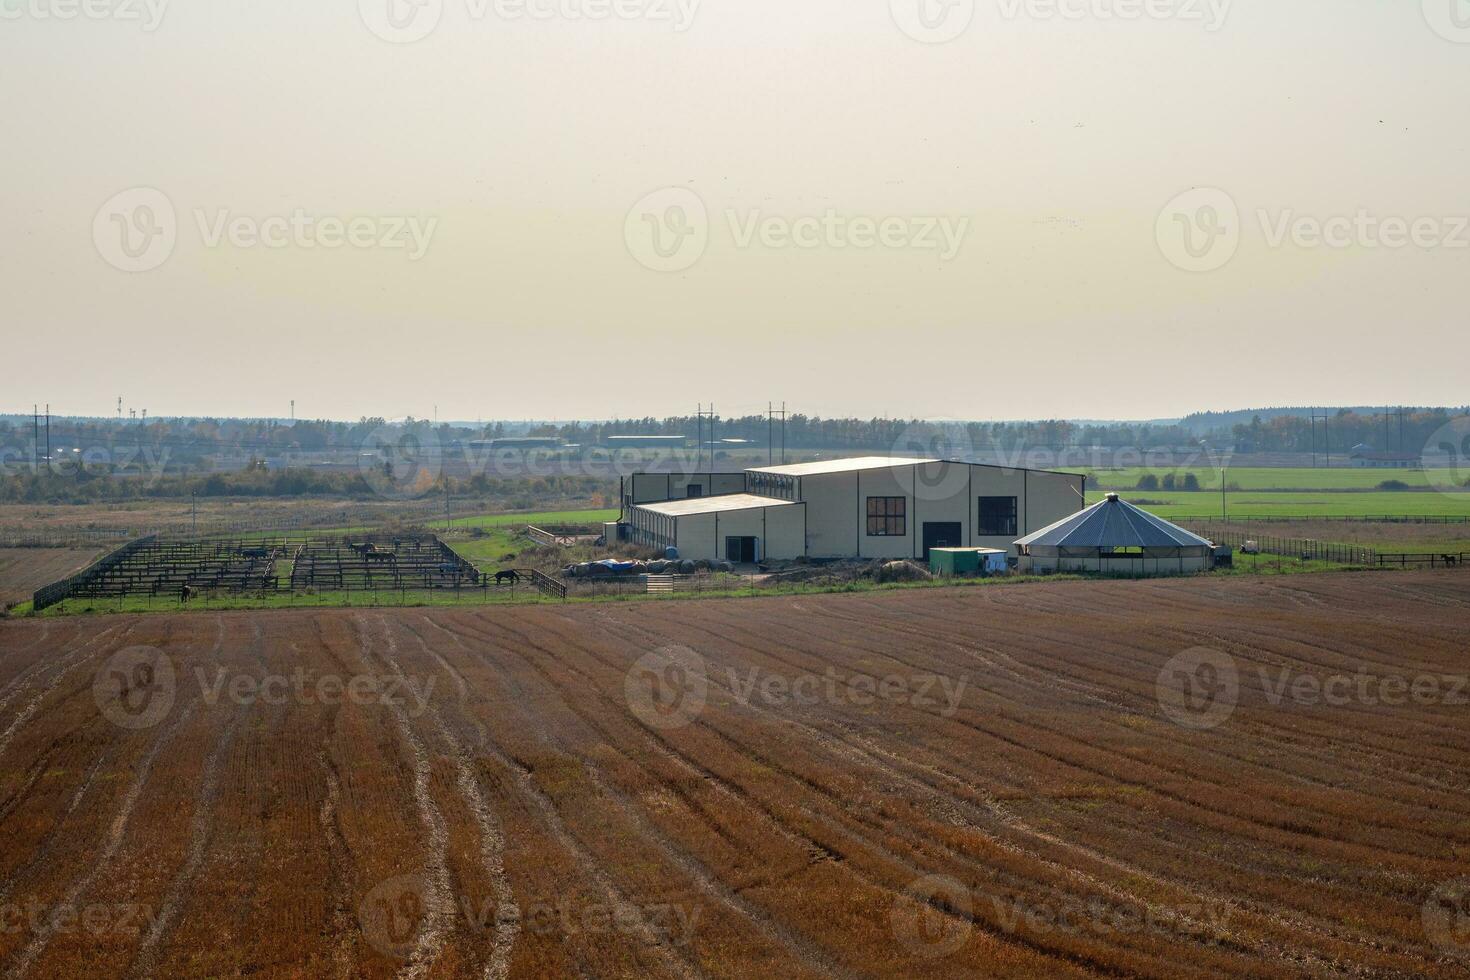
pixel 1307 549
pixel 1419 560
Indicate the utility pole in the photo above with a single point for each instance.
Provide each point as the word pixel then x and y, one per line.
pixel 35 437
pixel 1326 421
pixel 706 414
pixel 783 433
pixel 194 505
pixel 1224 515
pixel 782 413
pixel 770 434
pixel 293 410
pixel 48 437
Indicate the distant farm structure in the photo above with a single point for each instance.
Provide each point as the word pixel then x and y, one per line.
pixel 174 568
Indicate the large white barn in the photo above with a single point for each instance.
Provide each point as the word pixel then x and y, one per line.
pixel 868 507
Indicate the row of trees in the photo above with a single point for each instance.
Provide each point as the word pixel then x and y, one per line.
pixel 83 487
pixel 1341 431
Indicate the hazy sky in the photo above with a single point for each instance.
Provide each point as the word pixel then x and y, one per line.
pixel 625 207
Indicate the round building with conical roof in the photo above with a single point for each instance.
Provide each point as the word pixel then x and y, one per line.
pixel 1115 537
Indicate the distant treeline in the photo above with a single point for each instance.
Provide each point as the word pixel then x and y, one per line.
pixel 1344 429
pixel 83 487
pixel 187 442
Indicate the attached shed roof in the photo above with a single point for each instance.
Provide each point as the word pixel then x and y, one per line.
pixel 1113 523
pixel 714 505
pixel 842 465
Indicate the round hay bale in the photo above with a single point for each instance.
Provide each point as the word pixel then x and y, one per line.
pixel 903 571
pixel 686 567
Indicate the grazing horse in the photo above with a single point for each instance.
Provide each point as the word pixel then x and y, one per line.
pixel 186 592
pixel 509 575
pixel 1451 560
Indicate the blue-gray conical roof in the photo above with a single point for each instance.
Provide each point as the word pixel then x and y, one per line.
pixel 1113 523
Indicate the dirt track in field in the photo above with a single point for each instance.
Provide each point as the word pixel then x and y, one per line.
pixel 966 782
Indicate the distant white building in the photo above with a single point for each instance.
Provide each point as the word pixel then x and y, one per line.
pixel 1365 457
pixel 868 507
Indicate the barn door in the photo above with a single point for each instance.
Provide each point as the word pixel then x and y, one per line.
pixel 942 534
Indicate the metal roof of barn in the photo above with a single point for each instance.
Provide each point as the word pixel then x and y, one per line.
pixel 713 505
pixel 822 466
pixel 1113 523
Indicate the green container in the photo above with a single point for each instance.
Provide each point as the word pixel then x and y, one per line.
pixel 954 561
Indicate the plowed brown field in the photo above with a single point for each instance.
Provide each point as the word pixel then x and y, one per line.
pixel 24 570
pixel 956 782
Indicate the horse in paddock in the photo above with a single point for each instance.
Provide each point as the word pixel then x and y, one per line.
pixel 186 592
pixel 509 575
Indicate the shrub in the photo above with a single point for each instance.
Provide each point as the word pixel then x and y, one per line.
pixel 1191 482
pixel 1148 482
pixel 1168 482
pixel 1393 485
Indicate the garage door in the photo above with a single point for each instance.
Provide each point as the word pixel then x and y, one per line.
pixel 942 535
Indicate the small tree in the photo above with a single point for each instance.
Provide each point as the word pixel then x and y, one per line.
pixel 1148 482
pixel 1191 482
pixel 1168 481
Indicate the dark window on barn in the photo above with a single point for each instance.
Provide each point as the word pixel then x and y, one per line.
pixel 695 490
pixel 997 517
pixel 887 517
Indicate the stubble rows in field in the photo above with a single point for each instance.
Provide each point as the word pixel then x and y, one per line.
pixel 953 783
